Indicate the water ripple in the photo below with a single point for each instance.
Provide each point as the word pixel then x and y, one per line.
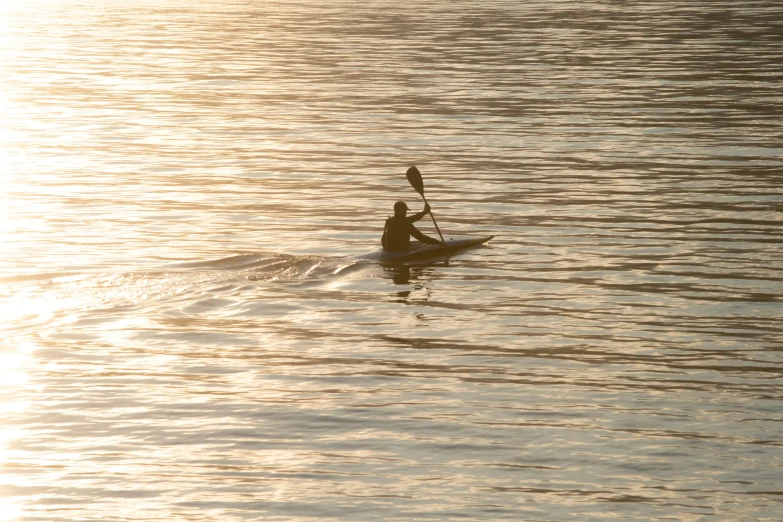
pixel 182 322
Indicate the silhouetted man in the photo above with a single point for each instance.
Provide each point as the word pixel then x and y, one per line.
pixel 399 228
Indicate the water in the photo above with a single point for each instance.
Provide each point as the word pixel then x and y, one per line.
pixel 185 336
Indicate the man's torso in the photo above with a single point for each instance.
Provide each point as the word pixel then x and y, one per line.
pixel 396 235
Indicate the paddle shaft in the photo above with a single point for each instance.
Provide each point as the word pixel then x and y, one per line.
pixel 433 217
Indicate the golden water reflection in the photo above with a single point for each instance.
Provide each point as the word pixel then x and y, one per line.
pixel 180 181
pixel 14 367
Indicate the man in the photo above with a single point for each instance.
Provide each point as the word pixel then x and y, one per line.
pixel 398 229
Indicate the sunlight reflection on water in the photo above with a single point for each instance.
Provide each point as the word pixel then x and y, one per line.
pixel 185 335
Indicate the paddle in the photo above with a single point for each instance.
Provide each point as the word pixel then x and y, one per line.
pixel 414 178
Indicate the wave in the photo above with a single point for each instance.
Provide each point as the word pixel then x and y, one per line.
pixel 36 299
pixel 273 266
pixel 42 276
pixel 255 266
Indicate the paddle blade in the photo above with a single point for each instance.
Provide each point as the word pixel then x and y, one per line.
pixel 414 178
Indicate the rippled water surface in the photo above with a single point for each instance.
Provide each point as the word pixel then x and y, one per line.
pixel 185 334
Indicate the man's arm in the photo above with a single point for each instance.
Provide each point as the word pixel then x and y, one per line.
pixel 412 230
pixel 415 217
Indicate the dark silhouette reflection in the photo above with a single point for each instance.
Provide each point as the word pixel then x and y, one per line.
pixel 401 275
pixel 417 276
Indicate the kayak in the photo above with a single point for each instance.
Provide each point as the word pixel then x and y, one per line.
pixel 419 251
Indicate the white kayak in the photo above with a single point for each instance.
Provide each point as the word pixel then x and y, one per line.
pixel 419 251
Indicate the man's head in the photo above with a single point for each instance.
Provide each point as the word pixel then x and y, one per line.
pixel 400 209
